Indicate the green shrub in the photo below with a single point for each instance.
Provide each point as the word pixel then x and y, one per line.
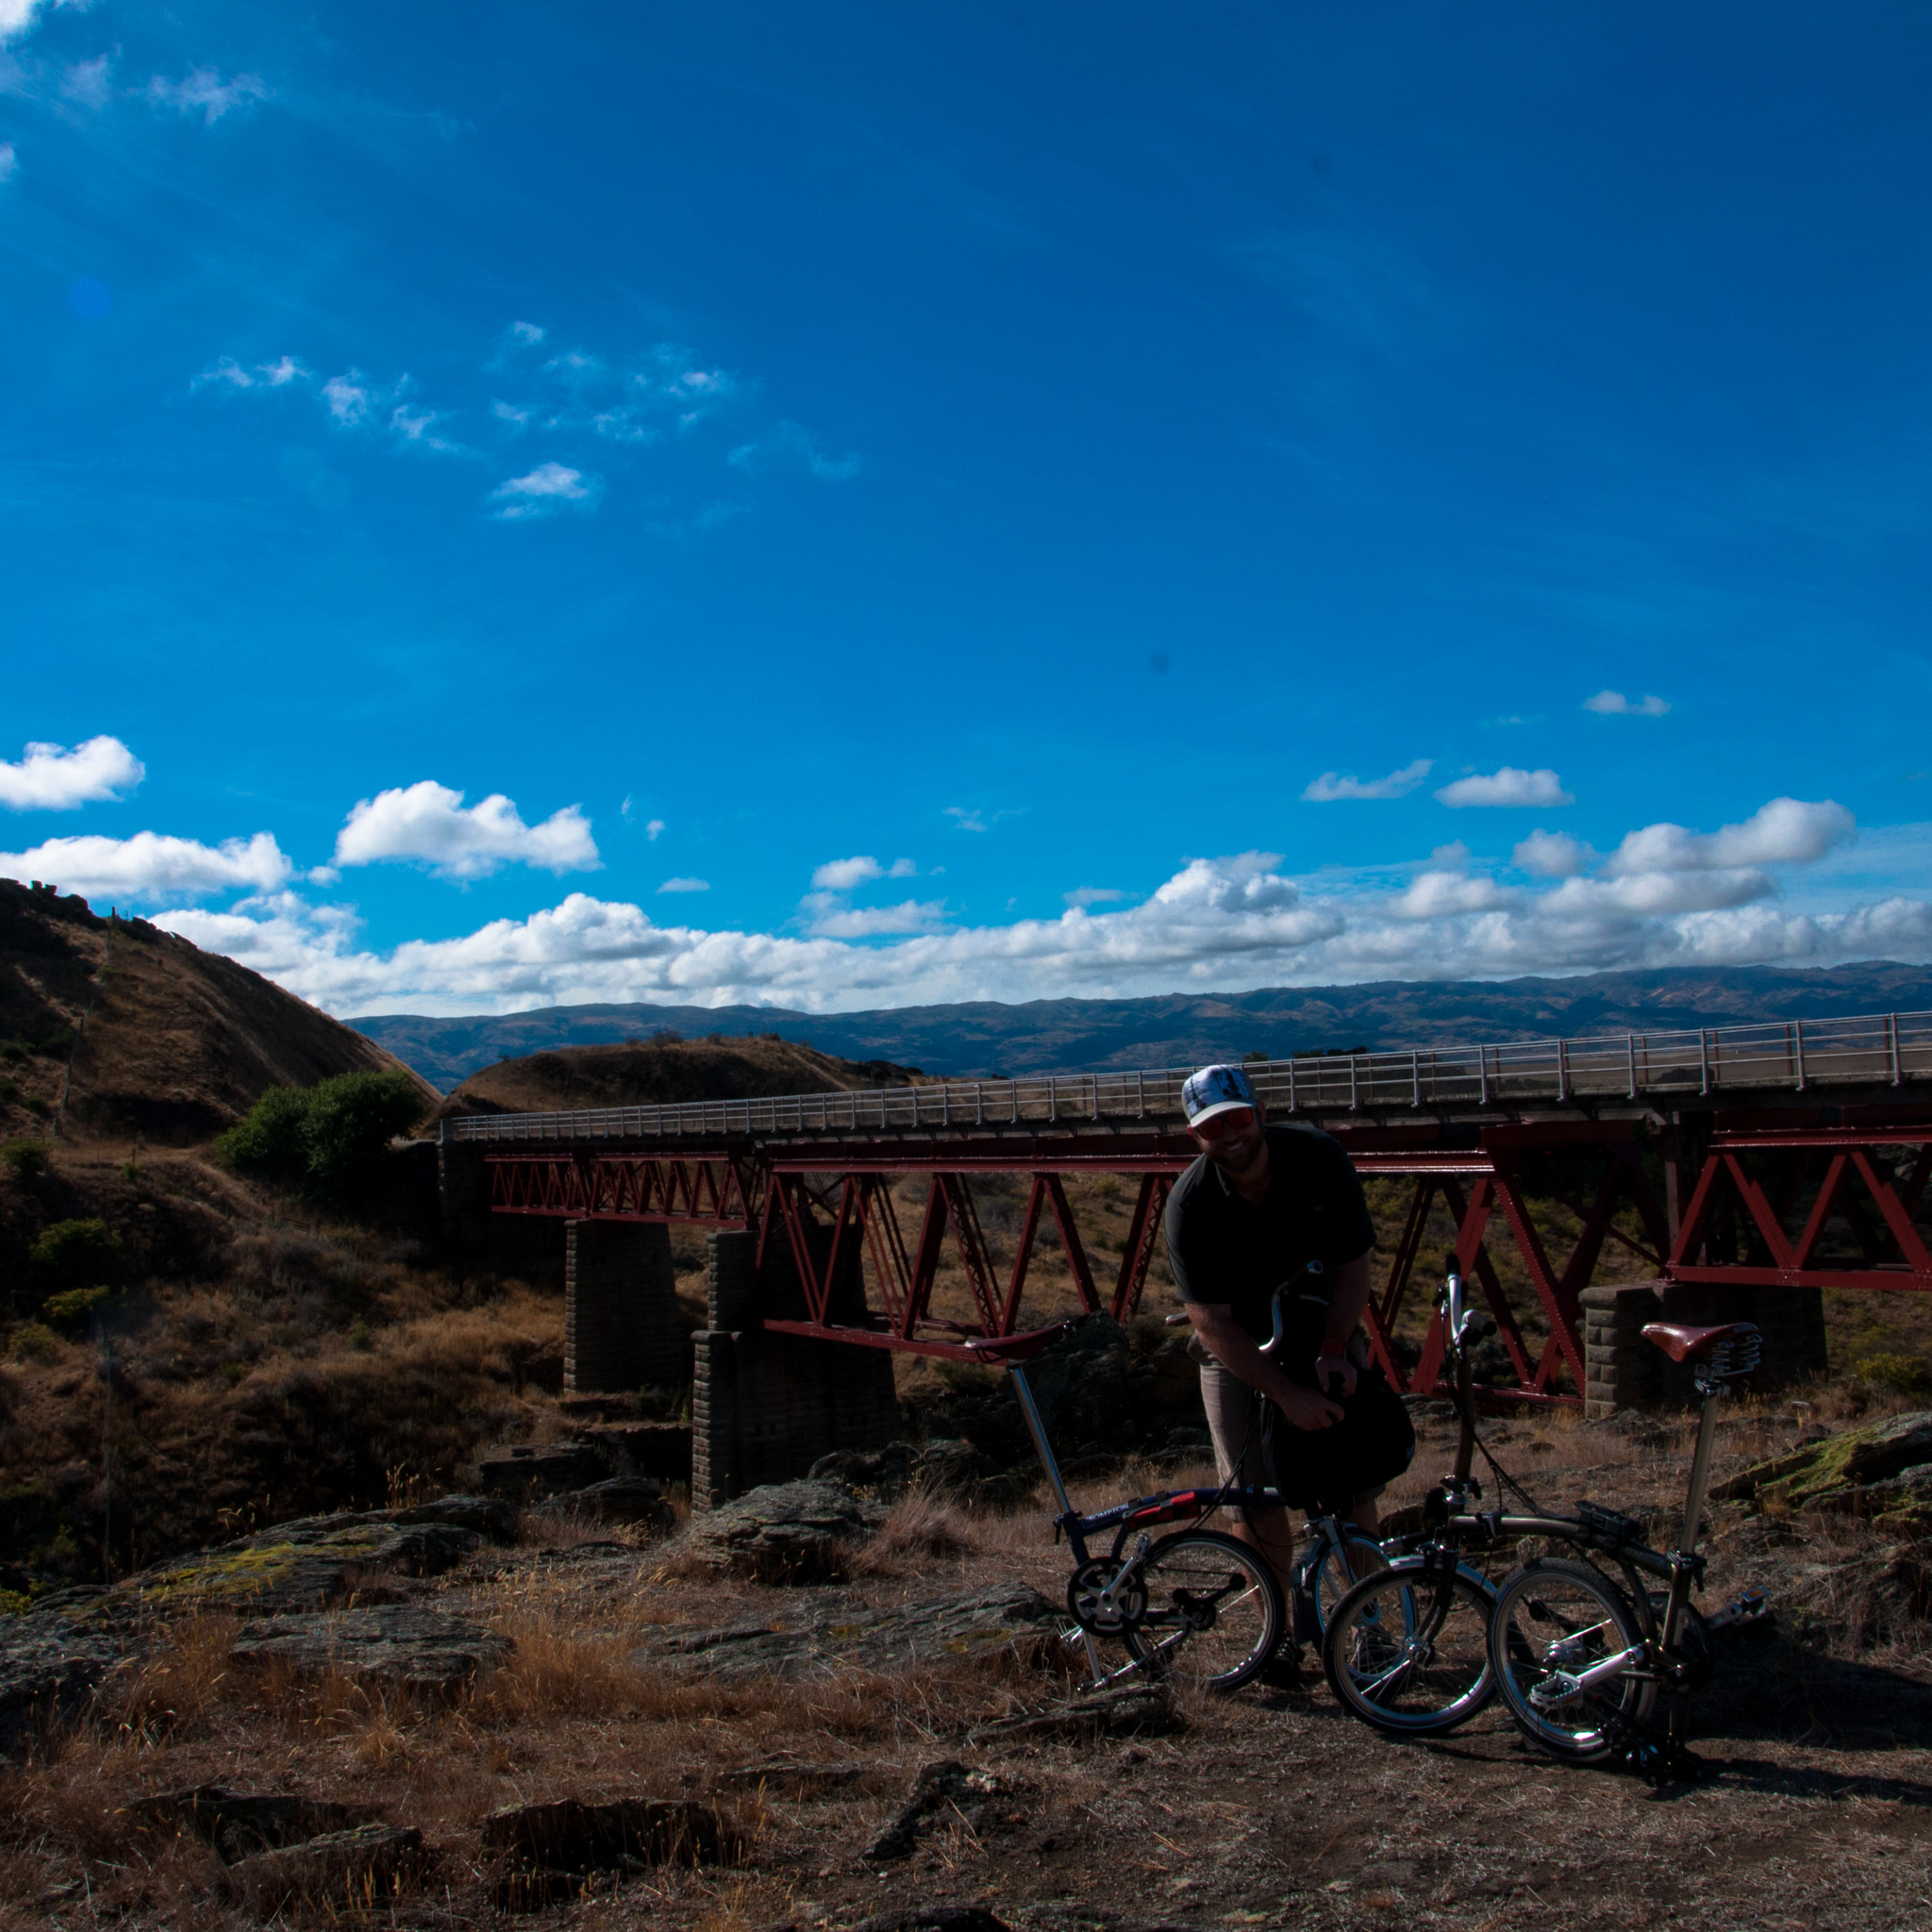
pixel 32 1342
pixel 24 1157
pixel 326 1141
pixel 14 1602
pixel 36 1107
pixel 1904 1375
pixel 272 1143
pixel 72 1306
pixel 75 1253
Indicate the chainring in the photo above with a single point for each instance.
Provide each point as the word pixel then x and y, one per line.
pixel 1086 1589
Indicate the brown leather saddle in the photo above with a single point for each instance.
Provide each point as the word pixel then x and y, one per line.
pixel 1684 1344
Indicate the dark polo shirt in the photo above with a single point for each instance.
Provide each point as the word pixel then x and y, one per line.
pixel 1224 1248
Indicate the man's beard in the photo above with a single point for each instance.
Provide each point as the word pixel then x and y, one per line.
pixel 1237 1157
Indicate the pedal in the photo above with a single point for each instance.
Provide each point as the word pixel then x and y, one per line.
pixel 1556 1691
pixel 1742 1613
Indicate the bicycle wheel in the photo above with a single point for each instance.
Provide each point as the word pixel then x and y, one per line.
pixel 1214 1611
pixel 1331 1578
pixel 1554 1618
pixel 1409 1654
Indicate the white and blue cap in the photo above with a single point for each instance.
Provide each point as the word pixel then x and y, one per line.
pixel 1213 1091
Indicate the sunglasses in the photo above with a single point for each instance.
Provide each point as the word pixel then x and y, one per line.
pixel 1235 1120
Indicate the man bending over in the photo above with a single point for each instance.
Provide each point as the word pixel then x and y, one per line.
pixel 1247 1218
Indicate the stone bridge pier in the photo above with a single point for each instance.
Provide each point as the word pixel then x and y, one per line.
pixel 1624 1370
pixel 766 1406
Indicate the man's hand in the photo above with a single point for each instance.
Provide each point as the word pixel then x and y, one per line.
pixel 1331 1365
pixel 1305 1409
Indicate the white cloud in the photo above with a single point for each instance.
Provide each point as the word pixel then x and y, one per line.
pixel 348 397
pixel 89 82
pixel 52 778
pixel 686 886
pixel 1091 896
pixel 150 866
pixel 278 375
pixel 653 829
pixel 1330 786
pixel 976 818
pixel 17 16
pixel 842 874
pixel 788 442
pixel 1553 854
pixel 9 162
pixel 840 921
pixel 1613 704
pixel 548 488
pixel 1443 895
pixel 1508 786
pixel 205 92
pixel 525 333
pixel 1787 831
pixel 1223 922
pixel 427 823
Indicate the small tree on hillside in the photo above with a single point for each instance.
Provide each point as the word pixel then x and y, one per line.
pixel 326 1141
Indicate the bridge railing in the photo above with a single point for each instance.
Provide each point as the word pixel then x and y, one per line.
pixel 1884 1049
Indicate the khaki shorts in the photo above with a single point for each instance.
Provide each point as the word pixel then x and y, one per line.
pixel 1234 1420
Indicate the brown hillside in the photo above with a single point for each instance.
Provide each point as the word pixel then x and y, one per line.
pixel 653 1073
pixel 142 1031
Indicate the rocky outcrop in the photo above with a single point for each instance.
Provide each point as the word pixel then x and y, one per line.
pixel 536 1472
pixel 1127 1710
pixel 837 1633
pixel 550 1852
pixel 342 1872
pixel 1882 1469
pixel 422 1649
pixel 622 1500
pixel 51 1660
pixel 946 1796
pixel 794 1532
pixel 319 1559
pixel 239 1825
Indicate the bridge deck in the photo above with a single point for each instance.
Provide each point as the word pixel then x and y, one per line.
pixel 1665 1070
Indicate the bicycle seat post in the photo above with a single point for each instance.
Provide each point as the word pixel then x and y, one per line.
pixel 1037 1429
pixel 1722 1355
pixel 1700 1464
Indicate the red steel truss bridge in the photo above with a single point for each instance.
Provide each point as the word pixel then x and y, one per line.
pixel 1788 1155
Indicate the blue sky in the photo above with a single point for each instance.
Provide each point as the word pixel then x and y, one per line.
pixel 843 505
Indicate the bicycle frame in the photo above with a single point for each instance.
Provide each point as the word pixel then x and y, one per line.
pixel 1132 1519
pixel 1135 1518
pixel 1453 1526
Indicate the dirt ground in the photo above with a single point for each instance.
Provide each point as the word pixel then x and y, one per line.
pixel 1269 1806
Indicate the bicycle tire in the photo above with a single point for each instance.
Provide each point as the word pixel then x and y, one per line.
pixel 1214 1611
pixel 1436 1674
pixel 1594 1620
pixel 1328 1582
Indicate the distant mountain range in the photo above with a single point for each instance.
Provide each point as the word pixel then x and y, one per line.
pixel 984 1037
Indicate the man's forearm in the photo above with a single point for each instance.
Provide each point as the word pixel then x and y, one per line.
pixel 1237 1351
